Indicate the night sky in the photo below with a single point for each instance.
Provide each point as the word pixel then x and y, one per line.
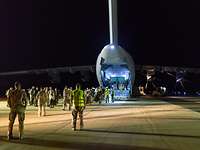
pixel 54 33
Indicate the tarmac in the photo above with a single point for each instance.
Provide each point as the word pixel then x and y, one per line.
pixel 167 123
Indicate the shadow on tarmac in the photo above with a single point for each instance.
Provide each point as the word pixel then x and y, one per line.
pixel 141 133
pixel 126 115
pixel 74 145
pixel 188 103
pixel 57 114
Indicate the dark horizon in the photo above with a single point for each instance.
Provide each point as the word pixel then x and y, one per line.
pixel 48 33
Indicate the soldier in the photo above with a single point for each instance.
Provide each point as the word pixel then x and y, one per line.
pixel 56 96
pixel 42 98
pixel 17 101
pixel 102 94
pixel 8 92
pixel 99 95
pixel 35 99
pixel 112 95
pixel 86 93
pixel 51 97
pixel 89 97
pixel 32 93
pixel 78 106
pixel 67 94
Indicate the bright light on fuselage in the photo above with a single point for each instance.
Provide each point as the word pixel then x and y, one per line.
pixel 112 46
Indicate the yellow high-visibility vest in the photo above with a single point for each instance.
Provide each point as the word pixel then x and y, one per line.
pixel 107 92
pixel 78 98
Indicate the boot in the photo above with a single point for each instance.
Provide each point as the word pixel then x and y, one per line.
pixel 21 130
pixel 73 129
pixel 74 126
pixel 20 136
pixel 10 134
pixel 81 124
pixel 81 127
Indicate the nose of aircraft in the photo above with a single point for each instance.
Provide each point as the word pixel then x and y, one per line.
pixel 115 67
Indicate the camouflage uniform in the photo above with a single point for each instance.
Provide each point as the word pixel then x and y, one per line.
pixel 56 96
pixel 89 96
pixel 35 99
pixel 8 92
pixel 78 107
pixel 32 94
pixel 42 98
pixel 67 94
pixel 51 96
pixel 17 101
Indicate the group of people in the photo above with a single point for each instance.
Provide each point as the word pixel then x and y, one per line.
pixel 92 95
pixel 106 94
pixel 52 95
pixel 17 100
pixel 75 100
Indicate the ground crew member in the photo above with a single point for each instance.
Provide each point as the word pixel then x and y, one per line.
pixel 107 93
pixel 67 94
pixel 17 101
pixel 42 98
pixel 78 106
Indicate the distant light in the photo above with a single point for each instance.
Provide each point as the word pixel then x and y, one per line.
pixel 179 79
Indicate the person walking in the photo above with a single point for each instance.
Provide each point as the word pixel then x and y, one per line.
pixel 17 101
pixel 78 106
pixel 67 95
pixel 42 98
